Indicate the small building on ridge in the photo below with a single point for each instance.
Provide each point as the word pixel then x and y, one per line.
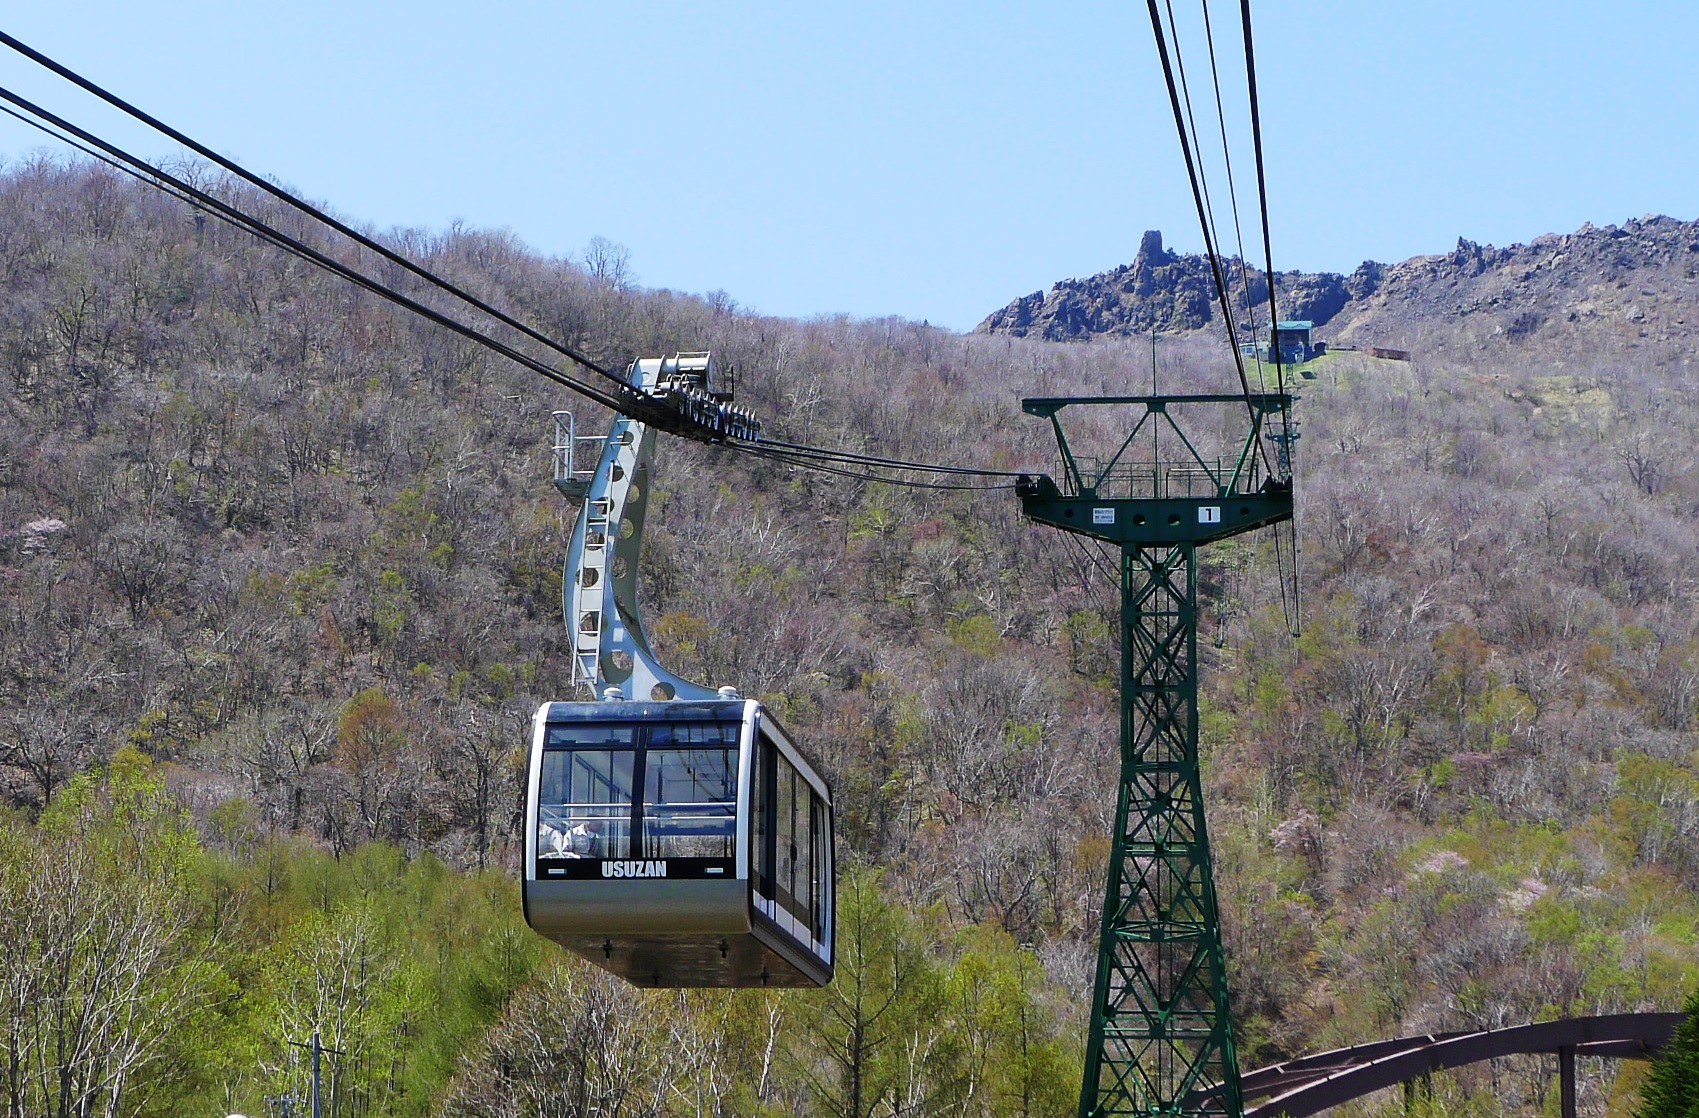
pixel 1295 341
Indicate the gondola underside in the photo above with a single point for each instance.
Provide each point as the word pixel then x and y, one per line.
pixel 711 939
pixel 652 960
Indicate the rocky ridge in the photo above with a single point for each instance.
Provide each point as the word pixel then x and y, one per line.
pixel 1639 280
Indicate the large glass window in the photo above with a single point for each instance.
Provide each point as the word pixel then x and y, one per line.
pixel 634 790
pixel 584 802
pixel 821 866
pixel 802 851
pixel 784 827
pixel 690 791
pixel 761 817
pixel 790 842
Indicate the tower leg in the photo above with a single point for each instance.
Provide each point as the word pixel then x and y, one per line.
pixel 1161 1040
pixel 1566 1081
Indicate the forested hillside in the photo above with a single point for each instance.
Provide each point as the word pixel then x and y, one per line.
pixel 280 578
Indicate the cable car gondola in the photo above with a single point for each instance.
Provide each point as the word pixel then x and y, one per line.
pixel 681 843
pixel 679 837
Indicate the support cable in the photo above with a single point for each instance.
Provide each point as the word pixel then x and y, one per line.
pixel 144 171
pixel 1188 140
pixel 759 450
pixel 1212 235
pixel 855 458
pixel 1262 196
pixel 1290 584
pixel 1233 195
pixel 1096 559
pixel 1203 212
pixel 305 207
pixel 626 399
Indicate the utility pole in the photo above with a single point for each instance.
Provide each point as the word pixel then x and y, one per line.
pixel 1161 1037
pixel 316 1049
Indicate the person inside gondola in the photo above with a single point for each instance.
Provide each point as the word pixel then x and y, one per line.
pixel 581 839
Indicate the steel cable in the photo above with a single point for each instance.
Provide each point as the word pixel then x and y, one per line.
pixel 1291 582
pixel 160 178
pixel 1192 173
pixel 1233 196
pixel 626 400
pixel 305 207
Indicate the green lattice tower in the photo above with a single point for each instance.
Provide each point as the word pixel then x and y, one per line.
pixel 1161 1039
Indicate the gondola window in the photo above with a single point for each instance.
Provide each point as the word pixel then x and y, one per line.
pixel 584 802
pixel 690 791
pixel 687 776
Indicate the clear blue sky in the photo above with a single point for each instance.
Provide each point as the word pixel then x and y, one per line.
pixel 929 160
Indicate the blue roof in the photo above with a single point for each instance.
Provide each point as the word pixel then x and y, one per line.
pixel 1295 325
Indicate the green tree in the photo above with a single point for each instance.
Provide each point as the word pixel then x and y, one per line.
pixel 339 974
pixel 1672 1089
pixel 1016 1062
pixel 104 975
pixel 878 1039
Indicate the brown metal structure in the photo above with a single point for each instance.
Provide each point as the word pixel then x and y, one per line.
pixel 1311 1084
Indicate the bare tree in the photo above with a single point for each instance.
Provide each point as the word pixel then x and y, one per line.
pixel 1643 455
pixel 609 263
pixel 579 1043
pixel 99 967
pixel 142 560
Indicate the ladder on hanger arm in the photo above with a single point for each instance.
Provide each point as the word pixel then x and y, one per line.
pixel 604 623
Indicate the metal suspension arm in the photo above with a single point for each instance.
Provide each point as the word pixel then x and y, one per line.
pixel 603 618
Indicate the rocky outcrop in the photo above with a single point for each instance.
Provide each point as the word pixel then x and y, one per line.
pixel 1642 276
pixel 1639 280
pixel 1163 291
pixel 1315 298
pixel 1159 290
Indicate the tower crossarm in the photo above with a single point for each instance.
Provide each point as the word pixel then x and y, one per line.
pixel 1175 493
pixel 1170 492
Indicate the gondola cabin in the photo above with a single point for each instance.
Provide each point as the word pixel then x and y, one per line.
pixel 679 843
